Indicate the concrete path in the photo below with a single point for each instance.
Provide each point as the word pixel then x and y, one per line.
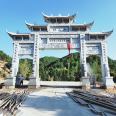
pixel 52 102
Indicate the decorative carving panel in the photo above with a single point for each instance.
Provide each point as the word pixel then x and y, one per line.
pixel 26 49
pixel 93 49
pixel 58 46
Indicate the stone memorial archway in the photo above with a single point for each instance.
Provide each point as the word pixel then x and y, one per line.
pixel 54 35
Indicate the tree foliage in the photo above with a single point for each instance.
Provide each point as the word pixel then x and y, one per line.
pixel 25 67
pixel 60 69
pixel 95 65
pixel 5 57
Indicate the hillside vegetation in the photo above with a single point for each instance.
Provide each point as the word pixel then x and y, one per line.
pixel 5 64
pixel 57 69
pixel 61 69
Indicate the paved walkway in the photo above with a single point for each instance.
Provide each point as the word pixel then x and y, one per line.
pixel 52 102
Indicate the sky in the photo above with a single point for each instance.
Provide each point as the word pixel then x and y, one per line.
pixel 14 13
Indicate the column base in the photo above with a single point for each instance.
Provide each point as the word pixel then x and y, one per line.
pixel 34 83
pixel 10 82
pixel 86 83
pixel 109 84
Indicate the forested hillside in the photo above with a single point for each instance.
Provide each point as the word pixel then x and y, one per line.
pixel 66 68
pixel 5 64
pixel 57 69
pixel 61 69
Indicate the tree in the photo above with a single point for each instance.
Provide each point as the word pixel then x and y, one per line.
pixel 25 68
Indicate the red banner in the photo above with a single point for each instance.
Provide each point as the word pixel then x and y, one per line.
pixel 69 46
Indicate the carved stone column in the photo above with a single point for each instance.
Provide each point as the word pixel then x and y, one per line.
pixel 85 78
pixel 11 80
pixel 34 79
pixel 107 79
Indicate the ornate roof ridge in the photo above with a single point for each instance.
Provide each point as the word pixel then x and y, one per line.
pixel 47 16
pixel 107 33
pixel 11 34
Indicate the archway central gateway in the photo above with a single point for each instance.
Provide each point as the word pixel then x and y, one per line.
pixel 55 35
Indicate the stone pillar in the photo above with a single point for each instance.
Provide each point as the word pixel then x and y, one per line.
pixel 34 80
pixel 85 78
pixel 11 80
pixel 107 79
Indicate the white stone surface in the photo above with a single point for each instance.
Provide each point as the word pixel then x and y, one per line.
pixel 52 102
pixel 61 83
